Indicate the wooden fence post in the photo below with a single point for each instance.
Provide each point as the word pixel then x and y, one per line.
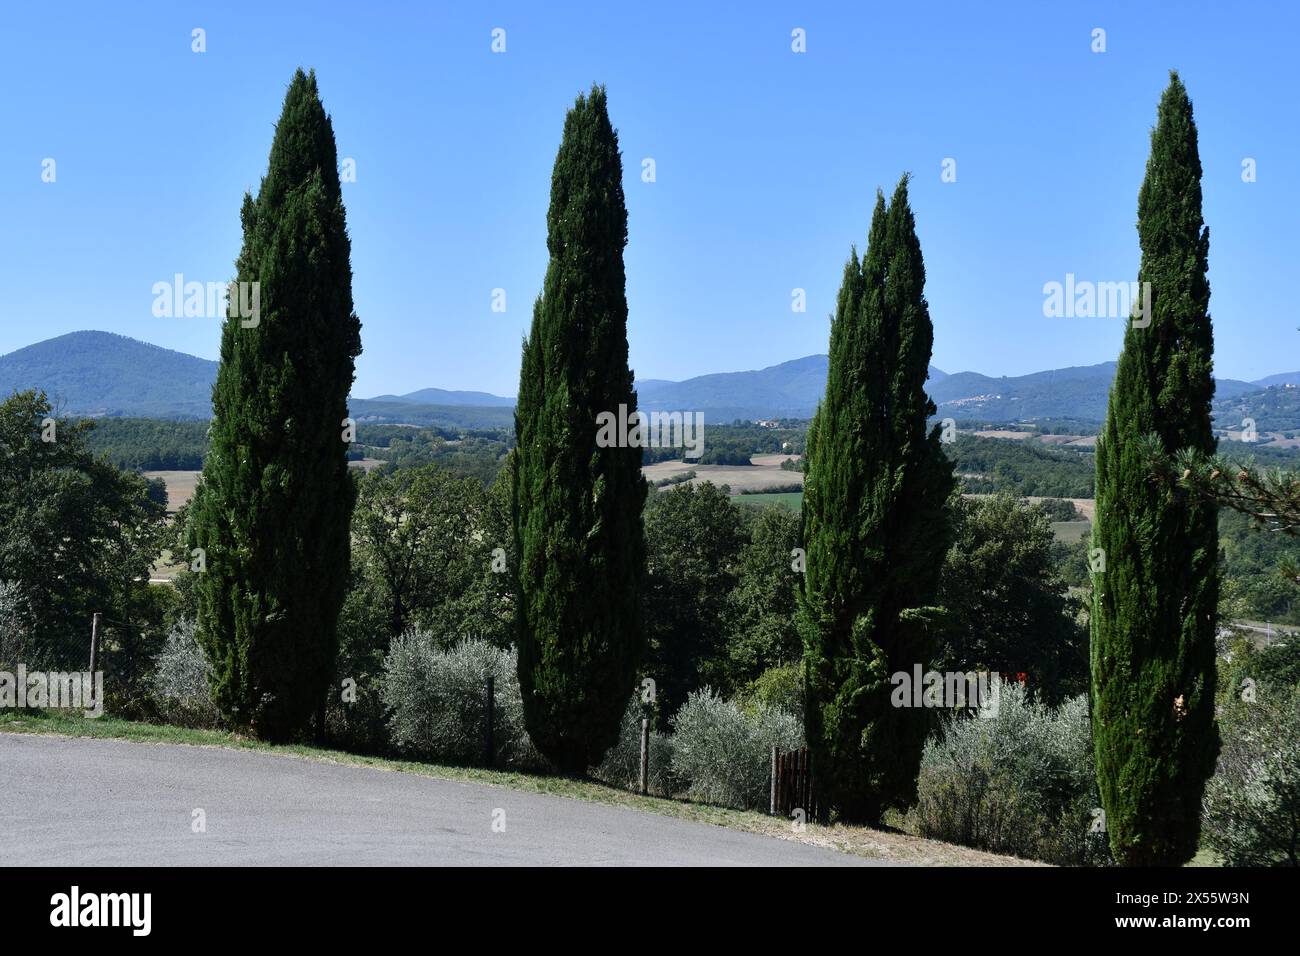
pixel 772 806
pixel 805 791
pixel 94 647
pixel 645 754
pixel 489 699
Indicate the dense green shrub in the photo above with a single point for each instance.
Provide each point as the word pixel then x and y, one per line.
pixel 1279 662
pixel 780 688
pixel 15 625
pixel 1019 783
pixel 436 701
pixel 723 754
pixel 358 719
pixel 793 487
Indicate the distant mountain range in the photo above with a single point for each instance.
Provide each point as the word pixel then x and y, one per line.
pixel 440 396
pixel 99 373
pixel 1079 392
pixel 103 374
pixel 789 390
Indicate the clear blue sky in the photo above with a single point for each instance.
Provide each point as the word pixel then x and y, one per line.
pixel 767 165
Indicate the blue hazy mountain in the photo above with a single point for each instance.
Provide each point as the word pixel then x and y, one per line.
pixel 441 396
pixel 99 373
pixel 788 390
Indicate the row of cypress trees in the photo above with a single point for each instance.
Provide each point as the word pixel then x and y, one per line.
pixel 269 523
pixel 875 529
pixel 271 515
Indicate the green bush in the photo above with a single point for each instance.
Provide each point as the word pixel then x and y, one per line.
pixel 15 625
pixel 1252 803
pixel 722 753
pixel 1279 662
pixel 436 702
pixel 622 764
pixel 1018 783
pixel 781 688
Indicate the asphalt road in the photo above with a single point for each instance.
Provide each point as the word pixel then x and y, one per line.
pixel 79 802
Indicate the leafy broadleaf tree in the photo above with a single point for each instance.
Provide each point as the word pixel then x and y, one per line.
pixel 416 536
pixel 577 505
pixel 763 626
pixel 76 536
pixel 1153 618
pixel 874 525
pixel 694 536
pixel 272 512
pixel 1008 607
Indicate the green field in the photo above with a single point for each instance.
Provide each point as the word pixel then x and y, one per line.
pixel 786 499
pixel 1070 531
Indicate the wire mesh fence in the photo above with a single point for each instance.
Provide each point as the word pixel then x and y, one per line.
pixel 44 651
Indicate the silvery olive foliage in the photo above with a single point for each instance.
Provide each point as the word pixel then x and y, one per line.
pixel 722 753
pixel 437 707
pixel 1252 803
pixel 180 679
pixel 1018 783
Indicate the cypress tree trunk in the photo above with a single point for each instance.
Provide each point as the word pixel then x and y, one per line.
pixel 577 506
pixel 875 525
pixel 1153 620
pixel 273 510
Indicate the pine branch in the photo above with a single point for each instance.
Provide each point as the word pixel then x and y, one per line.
pixel 1271 497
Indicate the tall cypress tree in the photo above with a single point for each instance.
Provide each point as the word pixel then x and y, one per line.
pixel 577 506
pixel 272 512
pixel 875 525
pixel 1153 667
